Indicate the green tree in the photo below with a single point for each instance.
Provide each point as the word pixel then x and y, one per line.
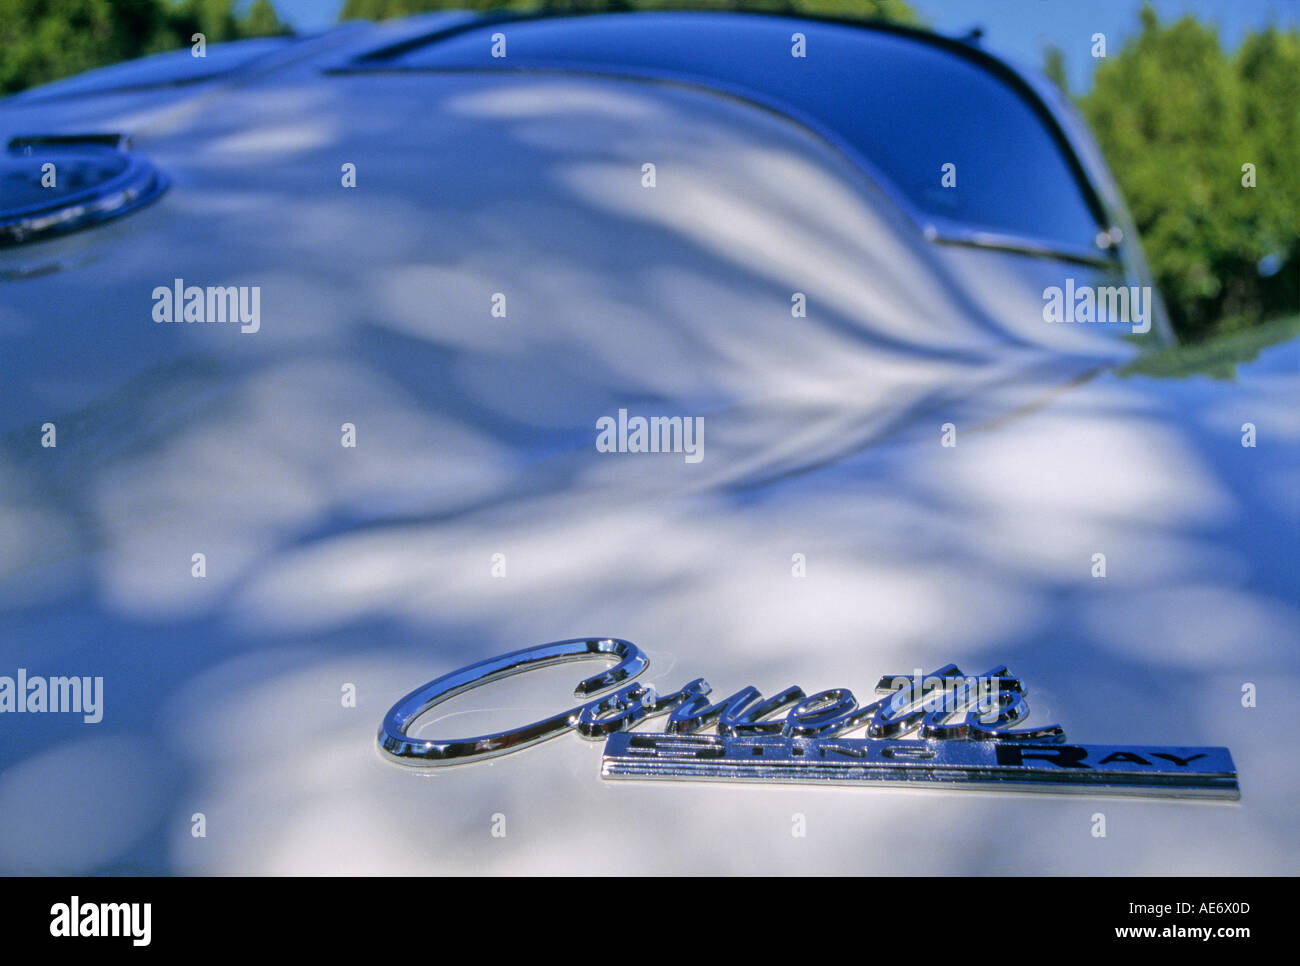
pixel 43 40
pixel 1269 66
pixel 262 21
pixel 217 20
pixel 1054 67
pixel 1177 119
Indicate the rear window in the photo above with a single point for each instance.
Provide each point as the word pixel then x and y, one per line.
pixel 903 105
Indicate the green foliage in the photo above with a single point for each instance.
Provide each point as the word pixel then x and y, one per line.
pixel 43 40
pixel 1054 67
pixel 1177 119
pixel 896 10
pixel 262 21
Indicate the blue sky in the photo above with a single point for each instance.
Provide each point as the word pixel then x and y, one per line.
pixel 1019 28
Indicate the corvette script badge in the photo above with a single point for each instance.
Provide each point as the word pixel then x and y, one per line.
pixel 960 728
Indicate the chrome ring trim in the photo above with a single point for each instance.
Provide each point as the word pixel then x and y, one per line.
pixel 138 184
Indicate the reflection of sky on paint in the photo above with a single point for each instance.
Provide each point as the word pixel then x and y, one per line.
pixel 372 566
pixel 1019 28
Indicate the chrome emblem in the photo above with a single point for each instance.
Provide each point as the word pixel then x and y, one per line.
pixel 943 728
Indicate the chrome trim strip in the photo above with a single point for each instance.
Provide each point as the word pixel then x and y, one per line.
pixel 1204 773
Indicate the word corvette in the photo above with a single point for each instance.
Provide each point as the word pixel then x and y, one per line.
pixel 960 728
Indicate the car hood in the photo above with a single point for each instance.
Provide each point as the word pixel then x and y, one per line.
pixel 475 514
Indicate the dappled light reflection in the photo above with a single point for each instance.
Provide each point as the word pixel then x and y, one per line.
pixel 475 515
